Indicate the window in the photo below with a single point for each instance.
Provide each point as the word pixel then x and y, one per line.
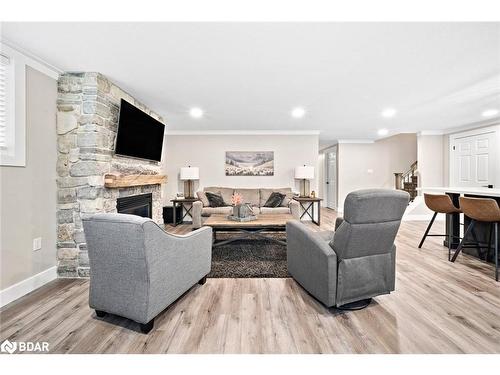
pixel 13 102
pixel 6 104
pixel 12 107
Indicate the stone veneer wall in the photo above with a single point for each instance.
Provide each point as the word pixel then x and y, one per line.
pixel 87 121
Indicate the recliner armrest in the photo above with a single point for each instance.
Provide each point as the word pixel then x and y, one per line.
pixel 338 221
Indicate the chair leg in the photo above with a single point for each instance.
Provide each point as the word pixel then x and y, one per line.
pixel 427 230
pixel 146 328
pixel 100 314
pixel 450 234
pixel 496 251
pixel 459 248
pixel 357 305
pixel 490 237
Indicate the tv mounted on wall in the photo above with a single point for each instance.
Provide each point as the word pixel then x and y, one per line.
pixel 139 135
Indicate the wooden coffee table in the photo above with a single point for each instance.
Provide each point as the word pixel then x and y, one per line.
pixel 256 228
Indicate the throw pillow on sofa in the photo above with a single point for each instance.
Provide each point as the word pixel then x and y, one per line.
pixel 215 199
pixel 203 198
pixel 275 200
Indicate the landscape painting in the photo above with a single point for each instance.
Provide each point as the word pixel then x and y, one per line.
pixel 249 163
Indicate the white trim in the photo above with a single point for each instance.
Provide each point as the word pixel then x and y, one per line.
pixel 430 132
pixel 34 61
pixel 15 154
pixel 344 141
pixel 26 286
pixel 476 125
pixel 242 132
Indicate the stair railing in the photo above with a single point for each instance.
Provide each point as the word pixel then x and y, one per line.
pixel 408 177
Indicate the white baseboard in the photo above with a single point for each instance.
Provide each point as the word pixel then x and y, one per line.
pixel 26 286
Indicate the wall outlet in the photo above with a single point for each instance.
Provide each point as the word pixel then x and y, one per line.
pixel 37 243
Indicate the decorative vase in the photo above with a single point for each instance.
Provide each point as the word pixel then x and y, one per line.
pixel 242 210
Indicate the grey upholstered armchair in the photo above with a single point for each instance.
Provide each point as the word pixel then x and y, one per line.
pixel 347 268
pixel 137 269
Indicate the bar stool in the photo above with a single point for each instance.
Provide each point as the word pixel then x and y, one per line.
pixel 440 203
pixel 484 210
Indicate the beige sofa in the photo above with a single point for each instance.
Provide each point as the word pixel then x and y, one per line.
pixel 255 197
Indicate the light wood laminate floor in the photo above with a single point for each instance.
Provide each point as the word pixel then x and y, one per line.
pixel 438 307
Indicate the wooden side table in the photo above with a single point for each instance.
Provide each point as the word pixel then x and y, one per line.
pixel 307 204
pixel 187 206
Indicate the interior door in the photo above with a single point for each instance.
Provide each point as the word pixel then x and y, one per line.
pixel 331 180
pixel 474 160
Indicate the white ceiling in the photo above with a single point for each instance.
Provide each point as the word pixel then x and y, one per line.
pixel 248 76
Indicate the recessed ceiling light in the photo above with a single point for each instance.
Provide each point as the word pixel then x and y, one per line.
pixel 196 112
pixel 490 112
pixel 298 112
pixel 382 132
pixel 388 112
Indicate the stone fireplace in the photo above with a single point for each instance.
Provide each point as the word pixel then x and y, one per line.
pixel 87 120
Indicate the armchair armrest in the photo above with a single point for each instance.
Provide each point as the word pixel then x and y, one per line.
pixel 312 262
pixel 294 208
pixel 175 263
pixel 196 214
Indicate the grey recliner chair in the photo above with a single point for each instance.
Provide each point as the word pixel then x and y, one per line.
pixel 137 269
pixel 347 268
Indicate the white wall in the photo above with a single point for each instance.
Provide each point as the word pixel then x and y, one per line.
pixel 372 165
pixel 28 194
pixel 431 163
pixel 208 153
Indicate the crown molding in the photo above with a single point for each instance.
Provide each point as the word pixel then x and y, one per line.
pixel 32 60
pixel 348 141
pixel 242 132
pixel 475 125
pixel 430 132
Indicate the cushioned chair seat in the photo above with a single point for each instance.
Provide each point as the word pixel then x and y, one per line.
pixel 358 261
pixel 137 269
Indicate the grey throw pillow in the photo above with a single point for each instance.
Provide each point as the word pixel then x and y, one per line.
pixel 275 200
pixel 215 199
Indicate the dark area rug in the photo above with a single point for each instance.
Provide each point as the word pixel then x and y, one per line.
pixel 249 258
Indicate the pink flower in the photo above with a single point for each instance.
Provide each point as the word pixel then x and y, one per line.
pixel 236 199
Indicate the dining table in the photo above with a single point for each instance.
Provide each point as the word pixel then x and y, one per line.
pixel 481 229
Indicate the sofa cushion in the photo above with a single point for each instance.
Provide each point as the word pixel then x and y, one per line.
pixel 226 210
pixel 274 210
pixel 250 196
pixel 275 199
pixel 215 199
pixel 266 193
pixel 226 193
pixel 203 198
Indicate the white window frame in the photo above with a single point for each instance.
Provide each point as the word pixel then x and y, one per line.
pixel 15 153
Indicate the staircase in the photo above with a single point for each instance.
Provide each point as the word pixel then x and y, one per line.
pixel 408 181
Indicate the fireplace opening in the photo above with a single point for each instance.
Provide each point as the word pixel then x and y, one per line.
pixel 140 205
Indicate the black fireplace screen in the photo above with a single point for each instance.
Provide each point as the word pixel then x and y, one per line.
pixel 140 205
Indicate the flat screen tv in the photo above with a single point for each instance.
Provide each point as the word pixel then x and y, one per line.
pixel 139 134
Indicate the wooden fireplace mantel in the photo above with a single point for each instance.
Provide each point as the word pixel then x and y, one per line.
pixel 124 181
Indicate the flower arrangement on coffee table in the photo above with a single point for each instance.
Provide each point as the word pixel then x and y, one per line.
pixel 241 211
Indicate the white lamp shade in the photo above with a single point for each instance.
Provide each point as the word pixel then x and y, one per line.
pixel 304 173
pixel 190 173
